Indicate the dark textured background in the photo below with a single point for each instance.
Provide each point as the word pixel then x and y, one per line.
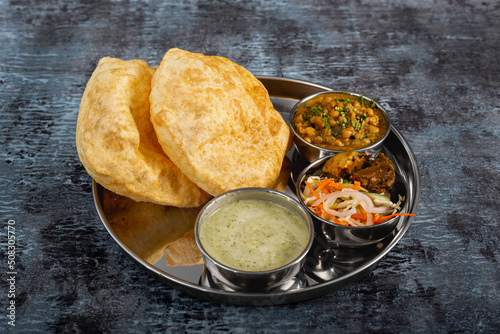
pixel 433 64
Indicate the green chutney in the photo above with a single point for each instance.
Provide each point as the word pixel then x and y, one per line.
pixel 254 235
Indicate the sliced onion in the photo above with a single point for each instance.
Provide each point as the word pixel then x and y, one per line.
pixel 380 202
pixel 344 204
pixel 369 219
pixel 340 213
pixel 381 209
pixel 362 198
pixel 370 208
pixel 355 222
pixel 333 196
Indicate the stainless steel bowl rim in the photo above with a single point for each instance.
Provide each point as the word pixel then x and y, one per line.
pixel 301 178
pixel 287 197
pixel 365 148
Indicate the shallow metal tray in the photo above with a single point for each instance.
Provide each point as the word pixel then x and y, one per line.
pixel 326 268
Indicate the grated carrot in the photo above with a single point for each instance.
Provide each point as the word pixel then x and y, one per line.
pixel 359 216
pixel 312 190
pixel 356 186
pixel 324 184
pixel 363 212
pixel 340 222
pixel 383 219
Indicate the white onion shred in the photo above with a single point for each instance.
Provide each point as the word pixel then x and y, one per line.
pixel 350 200
pixel 359 197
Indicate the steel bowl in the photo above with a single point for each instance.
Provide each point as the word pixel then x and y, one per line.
pixel 254 280
pixel 312 152
pixel 340 236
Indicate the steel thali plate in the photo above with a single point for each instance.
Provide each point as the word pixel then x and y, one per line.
pixel 326 269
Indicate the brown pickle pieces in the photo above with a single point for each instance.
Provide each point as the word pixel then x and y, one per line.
pixel 375 175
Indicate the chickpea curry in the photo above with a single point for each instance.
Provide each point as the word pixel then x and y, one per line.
pixel 340 121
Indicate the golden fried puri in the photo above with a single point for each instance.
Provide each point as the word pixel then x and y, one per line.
pixel 147 229
pixel 215 121
pixel 183 252
pixel 116 141
pixel 282 181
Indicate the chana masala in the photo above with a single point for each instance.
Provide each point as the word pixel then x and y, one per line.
pixel 340 121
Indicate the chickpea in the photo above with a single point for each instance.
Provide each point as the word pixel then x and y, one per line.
pixel 358 135
pixel 357 104
pixel 306 138
pixel 299 118
pixel 372 129
pixel 334 113
pixel 342 119
pixel 332 122
pixel 373 120
pixel 338 143
pixel 318 140
pixel 355 142
pixel 329 139
pixel 318 122
pixel 347 132
pixel 331 105
pixel 369 112
pixel 310 131
pixel 352 115
pixel 340 104
pixel 301 129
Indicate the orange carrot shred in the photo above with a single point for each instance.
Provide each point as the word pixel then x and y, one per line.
pixel 335 185
pixel 342 222
pixel 312 190
pixel 383 219
pixel 323 184
pixel 357 185
pixel 363 212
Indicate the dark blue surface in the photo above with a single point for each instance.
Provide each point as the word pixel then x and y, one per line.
pixel 434 65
